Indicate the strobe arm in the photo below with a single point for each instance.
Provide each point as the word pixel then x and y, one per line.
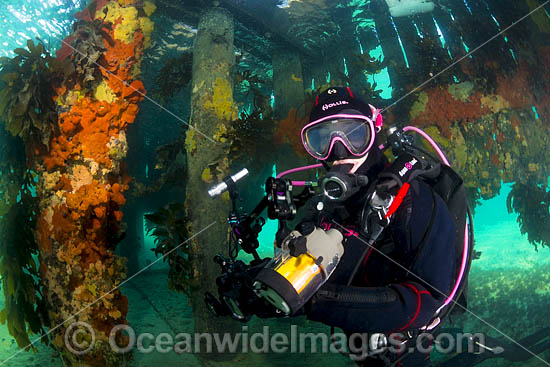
pixel 280 205
pixel 246 232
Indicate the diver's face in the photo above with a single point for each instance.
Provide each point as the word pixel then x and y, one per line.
pixel 352 163
pixel 339 151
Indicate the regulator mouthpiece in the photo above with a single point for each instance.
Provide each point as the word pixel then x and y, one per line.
pixel 339 187
pixel 224 185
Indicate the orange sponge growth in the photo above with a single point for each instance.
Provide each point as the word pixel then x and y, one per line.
pixel 442 109
pixel 437 106
pixel 516 88
pixel 289 130
pixel 82 179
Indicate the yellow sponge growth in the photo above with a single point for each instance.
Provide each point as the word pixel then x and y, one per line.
pixel 433 131
pixel 147 27
pixel 494 102
pixel 207 175
pixel 222 100
pixel 190 143
pixel 419 106
pixel 104 93
pixel 149 8
pixel 221 133
pixel 130 22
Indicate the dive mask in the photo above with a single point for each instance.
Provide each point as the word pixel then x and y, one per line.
pixel 355 132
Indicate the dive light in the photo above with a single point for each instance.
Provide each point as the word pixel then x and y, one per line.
pixel 224 185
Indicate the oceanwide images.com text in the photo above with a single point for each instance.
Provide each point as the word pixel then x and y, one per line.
pixel 80 338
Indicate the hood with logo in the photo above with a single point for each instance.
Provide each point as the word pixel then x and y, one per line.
pixel 336 100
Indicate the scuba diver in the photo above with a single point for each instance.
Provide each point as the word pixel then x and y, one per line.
pixel 382 296
pixel 384 249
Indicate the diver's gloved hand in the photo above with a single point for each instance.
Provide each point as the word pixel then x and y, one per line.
pixel 317 242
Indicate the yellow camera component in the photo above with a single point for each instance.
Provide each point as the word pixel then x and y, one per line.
pixel 288 282
pixel 299 271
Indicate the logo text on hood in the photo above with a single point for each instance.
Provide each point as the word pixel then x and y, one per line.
pixel 330 105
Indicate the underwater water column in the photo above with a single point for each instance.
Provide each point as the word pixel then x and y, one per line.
pixel 411 40
pixel 82 179
pixel 389 40
pixel 212 111
pixel 133 244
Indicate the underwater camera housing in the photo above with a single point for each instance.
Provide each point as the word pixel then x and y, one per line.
pixel 237 296
pixel 248 289
pixel 302 262
pixel 299 269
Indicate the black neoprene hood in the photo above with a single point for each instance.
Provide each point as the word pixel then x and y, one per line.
pixel 335 100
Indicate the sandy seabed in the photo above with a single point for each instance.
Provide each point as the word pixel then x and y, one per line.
pixel 509 288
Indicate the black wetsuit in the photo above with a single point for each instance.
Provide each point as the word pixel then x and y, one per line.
pixel 397 295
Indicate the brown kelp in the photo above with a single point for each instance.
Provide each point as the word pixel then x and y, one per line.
pixel 25 312
pixel 174 76
pixel 168 226
pixel 531 202
pixel 27 80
